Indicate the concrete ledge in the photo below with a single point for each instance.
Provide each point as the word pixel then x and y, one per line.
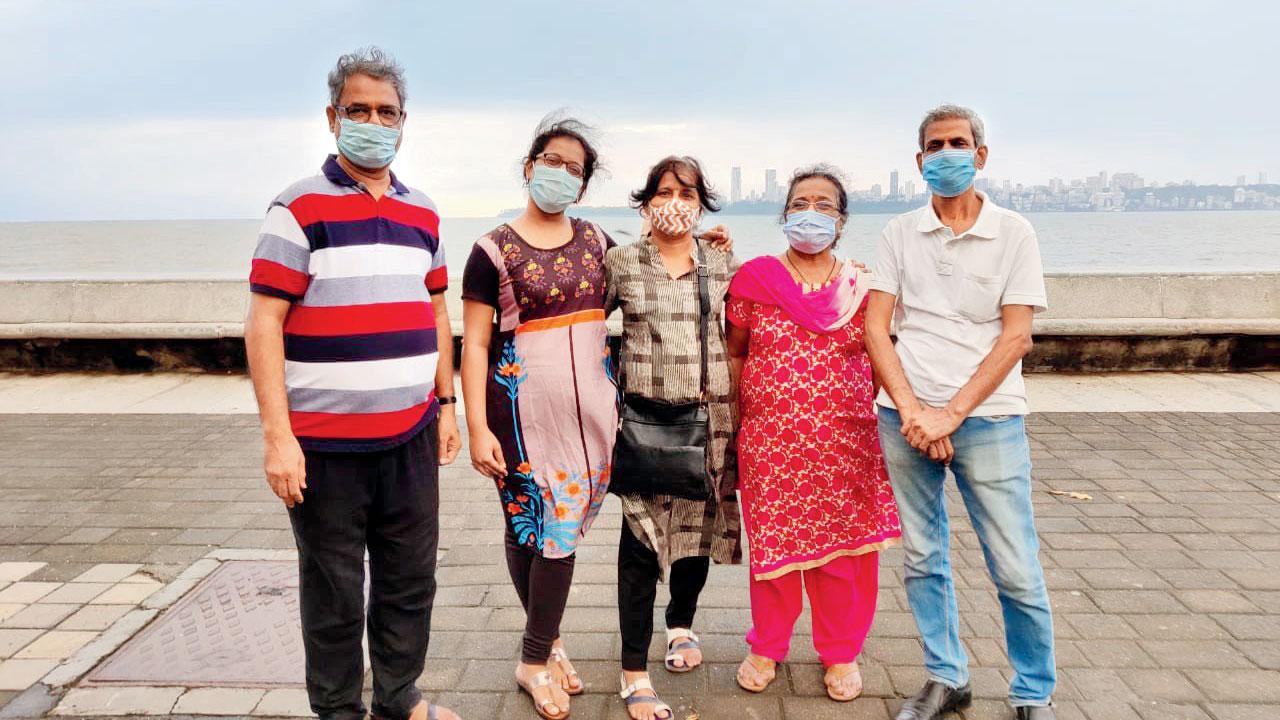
pixel 1098 353
pixel 1163 327
pixel 123 354
pixel 1173 296
pixel 121 331
pixel 1052 353
pixel 1167 304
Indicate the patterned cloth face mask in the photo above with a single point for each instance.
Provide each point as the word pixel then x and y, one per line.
pixel 674 219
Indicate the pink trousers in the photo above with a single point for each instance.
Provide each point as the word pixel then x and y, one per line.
pixel 842 601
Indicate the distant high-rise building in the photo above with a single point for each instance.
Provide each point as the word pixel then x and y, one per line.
pixel 893 184
pixel 735 185
pixel 877 192
pixel 911 190
pixel 1126 181
pixel 770 185
pixel 981 184
pixel 1055 185
pixel 1102 180
pixel 1241 180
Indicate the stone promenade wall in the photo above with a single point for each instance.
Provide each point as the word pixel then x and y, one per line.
pixel 1224 321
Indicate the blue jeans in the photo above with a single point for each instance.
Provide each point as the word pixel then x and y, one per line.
pixel 992 466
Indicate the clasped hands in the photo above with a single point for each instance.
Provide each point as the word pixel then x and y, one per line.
pixel 929 430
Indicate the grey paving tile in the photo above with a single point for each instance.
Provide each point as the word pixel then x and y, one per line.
pixel 1162 685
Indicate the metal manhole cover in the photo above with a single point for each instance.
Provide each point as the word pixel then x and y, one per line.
pixel 239 627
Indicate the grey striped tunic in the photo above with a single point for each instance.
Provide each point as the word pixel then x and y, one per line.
pixel 660 362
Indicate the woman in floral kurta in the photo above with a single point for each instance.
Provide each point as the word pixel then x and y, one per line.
pixel 541 401
pixel 816 499
pixel 551 400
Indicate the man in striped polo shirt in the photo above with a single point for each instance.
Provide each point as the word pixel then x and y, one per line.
pixel 352 362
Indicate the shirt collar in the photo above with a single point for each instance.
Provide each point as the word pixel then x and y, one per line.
pixel 336 175
pixel 986 226
pixel 655 256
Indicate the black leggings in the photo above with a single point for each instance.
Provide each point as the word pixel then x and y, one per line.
pixel 638 587
pixel 543 586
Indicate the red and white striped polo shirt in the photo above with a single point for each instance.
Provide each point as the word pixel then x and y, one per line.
pixel 360 340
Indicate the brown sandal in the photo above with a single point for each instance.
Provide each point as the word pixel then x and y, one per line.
pixel 770 672
pixel 837 673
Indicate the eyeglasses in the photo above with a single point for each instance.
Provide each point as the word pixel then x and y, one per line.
pixel 388 115
pixel 823 206
pixel 553 160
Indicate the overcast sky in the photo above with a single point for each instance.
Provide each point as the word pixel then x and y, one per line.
pixel 130 110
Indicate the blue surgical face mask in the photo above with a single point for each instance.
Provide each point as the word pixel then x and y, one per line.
pixel 810 231
pixel 553 189
pixel 949 172
pixel 367 145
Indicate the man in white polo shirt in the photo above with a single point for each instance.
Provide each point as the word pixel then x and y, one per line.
pixel 961 277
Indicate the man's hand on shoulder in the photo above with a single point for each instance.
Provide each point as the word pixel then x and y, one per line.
pixel 719 238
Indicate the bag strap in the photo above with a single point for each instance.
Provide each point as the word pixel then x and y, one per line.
pixel 704 313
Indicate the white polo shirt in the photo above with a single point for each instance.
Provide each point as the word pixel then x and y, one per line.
pixel 950 290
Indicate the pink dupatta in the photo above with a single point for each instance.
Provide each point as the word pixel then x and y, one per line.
pixel 765 280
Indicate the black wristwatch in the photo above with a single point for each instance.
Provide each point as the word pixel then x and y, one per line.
pixel 447 400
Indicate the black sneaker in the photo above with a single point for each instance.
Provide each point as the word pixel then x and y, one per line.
pixel 935 700
pixel 1036 712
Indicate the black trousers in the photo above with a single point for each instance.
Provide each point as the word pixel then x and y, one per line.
pixel 638 571
pixel 543 586
pixel 387 502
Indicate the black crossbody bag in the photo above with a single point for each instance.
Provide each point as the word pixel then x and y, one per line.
pixel 661 448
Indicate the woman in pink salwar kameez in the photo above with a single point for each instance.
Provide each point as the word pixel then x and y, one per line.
pixel 816 499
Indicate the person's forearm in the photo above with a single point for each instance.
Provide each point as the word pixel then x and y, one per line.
pixel 264 348
pixel 888 369
pixel 737 341
pixel 995 367
pixel 475 364
pixel 735 374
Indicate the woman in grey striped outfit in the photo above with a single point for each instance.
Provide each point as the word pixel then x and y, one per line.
pixel 654 282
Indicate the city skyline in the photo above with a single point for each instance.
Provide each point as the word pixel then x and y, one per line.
pixel 1103 181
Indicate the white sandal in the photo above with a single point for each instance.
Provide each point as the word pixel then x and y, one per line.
pixel 561 659
pixel 661 710
pixel 543 679
pixel 680 639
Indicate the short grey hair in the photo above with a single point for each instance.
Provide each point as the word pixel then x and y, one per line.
pixel 371 61
pixel 955 112
pixel 826 171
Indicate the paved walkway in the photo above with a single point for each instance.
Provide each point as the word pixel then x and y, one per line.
pixel 1166 583
pixel 207 393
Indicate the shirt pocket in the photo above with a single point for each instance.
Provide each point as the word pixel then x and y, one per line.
pixel 980 297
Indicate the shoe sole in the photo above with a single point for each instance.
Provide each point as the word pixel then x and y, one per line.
pixel 959 703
